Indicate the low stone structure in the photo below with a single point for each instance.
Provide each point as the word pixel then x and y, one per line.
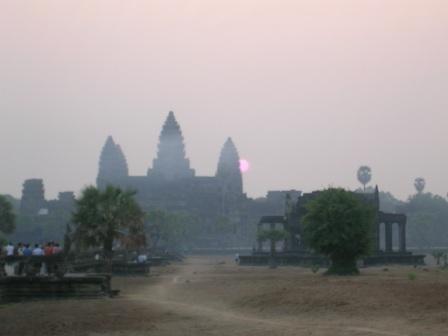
pixel 118 267
pixel 18 288
pixel 295 251
pixel 27 280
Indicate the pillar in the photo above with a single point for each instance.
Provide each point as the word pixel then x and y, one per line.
pixel 259 245
pixel 377 235
pixel 389 237
pixel 402 237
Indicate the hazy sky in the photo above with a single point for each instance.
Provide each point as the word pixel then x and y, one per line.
pixel 308 90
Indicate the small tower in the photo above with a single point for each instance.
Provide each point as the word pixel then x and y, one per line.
pixel 33 197
pixel 112 165
pixel 171 162
pixel 230 180
pixel 229 171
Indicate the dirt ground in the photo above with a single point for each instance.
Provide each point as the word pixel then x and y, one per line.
pixel 212 296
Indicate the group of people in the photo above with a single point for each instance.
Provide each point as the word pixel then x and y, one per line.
pixel 17 266
pixel 27 250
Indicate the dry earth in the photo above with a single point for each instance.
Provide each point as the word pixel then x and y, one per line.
pixel 212 296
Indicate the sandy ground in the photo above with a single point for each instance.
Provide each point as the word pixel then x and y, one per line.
pixel 212 296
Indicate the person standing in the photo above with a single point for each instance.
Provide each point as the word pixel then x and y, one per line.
pixel 9 250
pixel 48 249
pixel 57 249
pixel 27 252
pixel 37 251
pixel 20 249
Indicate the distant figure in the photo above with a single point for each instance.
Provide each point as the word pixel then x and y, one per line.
pixel 9 249
pixel 21 264
pixel 27 251
pixel 20 249
pixel 48 249
pixel 237 258
pixel 97 256
pixel 142 258
pixel 57 249
pixel 37 251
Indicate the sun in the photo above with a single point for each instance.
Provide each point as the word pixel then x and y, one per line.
pixel 244 166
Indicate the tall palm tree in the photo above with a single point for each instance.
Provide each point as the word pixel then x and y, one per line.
pixel 7 217
pixel 102 216
pixel 364 175
pixel 419 184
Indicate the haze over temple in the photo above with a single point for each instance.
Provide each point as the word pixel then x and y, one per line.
pixel 172 185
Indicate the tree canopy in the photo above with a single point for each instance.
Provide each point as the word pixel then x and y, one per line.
pixel 427 220
pixel 419 184
pixel 273 236
pixel 7 216
pixel 338 224
pixel 364 175
pixel 103 216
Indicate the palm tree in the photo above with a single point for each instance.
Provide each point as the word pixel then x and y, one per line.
pixel 420 184
pixel 364 175
pixel 7 217
pixel 102 216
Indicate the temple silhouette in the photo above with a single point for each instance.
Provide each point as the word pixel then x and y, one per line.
pixel 172 185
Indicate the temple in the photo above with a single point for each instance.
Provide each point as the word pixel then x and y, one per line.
pixel 172 185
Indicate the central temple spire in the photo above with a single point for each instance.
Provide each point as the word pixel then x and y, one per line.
pixel 171 162
pixel 229 168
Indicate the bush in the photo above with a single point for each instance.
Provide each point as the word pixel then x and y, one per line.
pixel 338 224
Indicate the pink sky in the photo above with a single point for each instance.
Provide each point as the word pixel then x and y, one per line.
pixel 308 90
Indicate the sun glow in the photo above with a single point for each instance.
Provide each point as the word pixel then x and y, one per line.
pixel 244 166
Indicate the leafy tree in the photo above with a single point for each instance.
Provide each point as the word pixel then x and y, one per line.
pixel 102 216
pixel 438 255
pixel 274 236
pixel 364 175
pixel 427 220
pixel 338 224
pixel 419 184
pixel 7 216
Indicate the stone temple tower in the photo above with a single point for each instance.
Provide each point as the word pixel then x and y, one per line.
pixel 33 197
pixel 171 162
pixel 113 164
pixel 230 180
pixel 228 171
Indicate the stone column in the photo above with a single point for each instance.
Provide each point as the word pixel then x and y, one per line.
pixel 260 245
pixel 402 237
pixel 388 237
pixel 377 235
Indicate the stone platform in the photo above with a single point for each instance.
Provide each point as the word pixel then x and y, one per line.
pixel 285 260
pixel 120 268
pixel 17 288
pixel 395 259
pixel 308 260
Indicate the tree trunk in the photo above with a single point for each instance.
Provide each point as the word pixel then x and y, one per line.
pixel 343 266
pixel 272 261
pixel 107 250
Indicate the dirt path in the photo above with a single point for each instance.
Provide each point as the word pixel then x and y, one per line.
pixel 216 318
pixel 212 296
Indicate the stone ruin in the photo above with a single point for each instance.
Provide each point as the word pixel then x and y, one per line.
pixel 293 250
